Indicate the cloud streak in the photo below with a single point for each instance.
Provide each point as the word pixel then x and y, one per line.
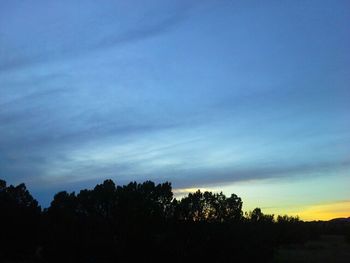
pixel 171 91
pixel 108 35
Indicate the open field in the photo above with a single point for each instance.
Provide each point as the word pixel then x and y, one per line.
pixel 329 248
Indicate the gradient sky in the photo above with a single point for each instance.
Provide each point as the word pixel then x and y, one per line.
pixel 249 97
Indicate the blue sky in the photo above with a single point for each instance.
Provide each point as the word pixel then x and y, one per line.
pixel 210 94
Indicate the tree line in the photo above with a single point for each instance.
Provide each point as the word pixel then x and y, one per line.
pixel 139 221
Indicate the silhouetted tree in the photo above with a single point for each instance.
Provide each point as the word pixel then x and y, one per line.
pixel 285 219
pixel 142 221
pixel 19 220
pixel 210 207
pixel 257 216
pixel 2 185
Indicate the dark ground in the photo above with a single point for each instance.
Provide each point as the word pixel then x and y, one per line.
pixel 327 249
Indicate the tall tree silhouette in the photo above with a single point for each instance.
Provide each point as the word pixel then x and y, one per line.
pixel 19 221
pixel 142 221
pixel 210 207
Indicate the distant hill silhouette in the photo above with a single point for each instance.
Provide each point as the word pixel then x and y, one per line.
pixel 340 220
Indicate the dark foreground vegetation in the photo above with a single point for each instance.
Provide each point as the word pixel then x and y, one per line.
pixel 144 222
pixel 326 249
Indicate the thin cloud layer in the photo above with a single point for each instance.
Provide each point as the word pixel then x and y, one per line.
pixel 106 27
pixel 197 94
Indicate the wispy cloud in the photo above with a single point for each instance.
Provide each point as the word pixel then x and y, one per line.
pixel 106 32
pixel 170 91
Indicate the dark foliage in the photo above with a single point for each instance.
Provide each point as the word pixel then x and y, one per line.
pixel 142 222
pixel 19 221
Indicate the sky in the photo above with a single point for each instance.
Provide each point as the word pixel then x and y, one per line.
pixel 245 97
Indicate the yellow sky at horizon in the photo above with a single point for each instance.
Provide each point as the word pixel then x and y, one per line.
pixel 273 198
pixel 325 211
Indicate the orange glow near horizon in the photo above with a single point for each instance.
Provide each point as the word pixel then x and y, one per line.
pixel 325 211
